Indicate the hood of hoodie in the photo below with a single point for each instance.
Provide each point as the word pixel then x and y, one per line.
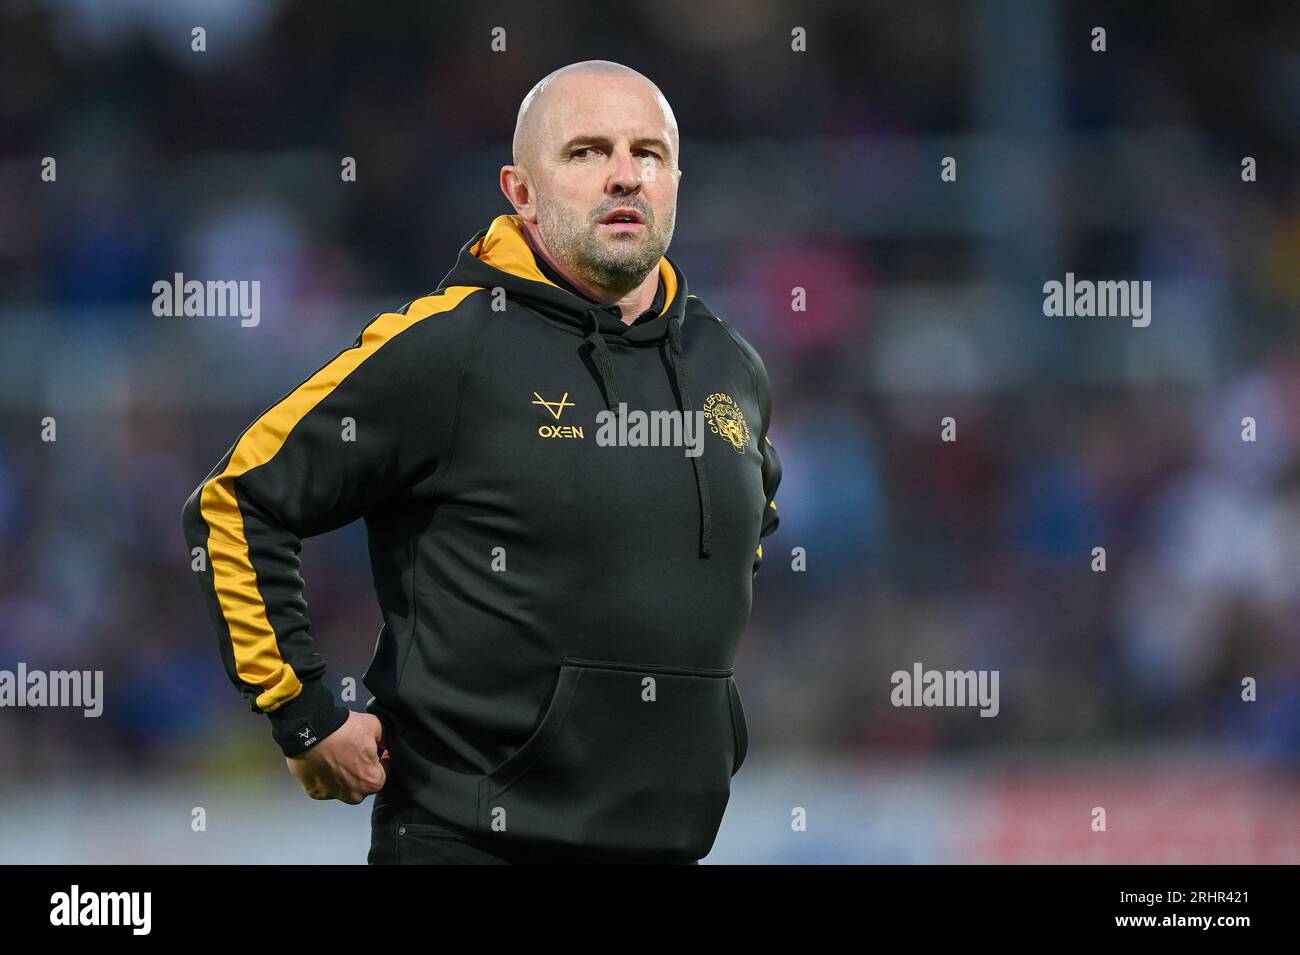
pixel 500 256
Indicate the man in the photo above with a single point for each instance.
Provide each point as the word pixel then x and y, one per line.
pixel 561 610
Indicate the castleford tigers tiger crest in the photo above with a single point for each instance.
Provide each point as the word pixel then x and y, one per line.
pixel 726 419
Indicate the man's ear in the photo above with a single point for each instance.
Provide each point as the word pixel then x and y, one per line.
pixel 518 191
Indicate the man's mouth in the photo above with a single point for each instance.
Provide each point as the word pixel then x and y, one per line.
pixel 623 220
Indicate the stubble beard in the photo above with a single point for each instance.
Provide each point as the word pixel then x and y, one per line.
pixel 617 263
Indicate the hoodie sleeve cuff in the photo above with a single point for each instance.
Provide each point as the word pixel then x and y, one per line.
pixel 307 719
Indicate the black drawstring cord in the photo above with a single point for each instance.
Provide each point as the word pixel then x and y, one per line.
pixel 697 462
pixel 600 355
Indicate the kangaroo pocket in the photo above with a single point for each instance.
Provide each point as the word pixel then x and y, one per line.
pixel 628 758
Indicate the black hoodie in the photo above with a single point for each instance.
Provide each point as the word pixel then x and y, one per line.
pixel 560 613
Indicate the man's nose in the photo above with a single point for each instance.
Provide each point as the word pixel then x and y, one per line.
pixel 627 171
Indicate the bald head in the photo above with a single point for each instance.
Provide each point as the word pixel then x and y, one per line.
pixel 594 179
pixel 535 118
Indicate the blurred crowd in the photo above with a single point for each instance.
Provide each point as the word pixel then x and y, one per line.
pixel 923 303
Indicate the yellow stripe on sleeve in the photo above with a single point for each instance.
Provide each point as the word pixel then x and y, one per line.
pixel 256 651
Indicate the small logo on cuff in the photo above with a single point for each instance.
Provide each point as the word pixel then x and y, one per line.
pixel 307 735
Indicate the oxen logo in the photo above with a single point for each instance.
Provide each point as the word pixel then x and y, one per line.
pixel 556 408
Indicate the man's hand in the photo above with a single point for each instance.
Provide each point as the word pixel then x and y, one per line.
pixel 346 764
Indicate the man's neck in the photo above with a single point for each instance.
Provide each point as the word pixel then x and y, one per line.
pixel 630 305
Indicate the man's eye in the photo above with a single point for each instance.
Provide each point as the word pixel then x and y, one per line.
pixel 583 149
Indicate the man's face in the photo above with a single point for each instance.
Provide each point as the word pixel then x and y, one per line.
pixel 605 144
